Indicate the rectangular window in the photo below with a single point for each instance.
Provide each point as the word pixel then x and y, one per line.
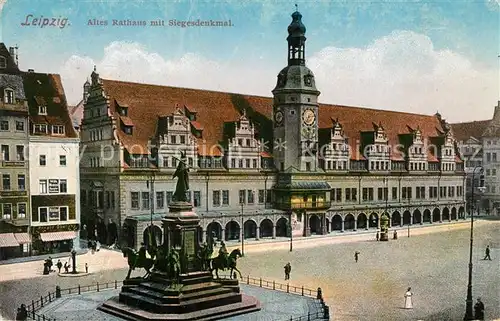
pixel 403 193
pixel 63 213
pixel 42 160
pixel 225 197
pixel 354 194
pixel 251 196
pixel 380 192
pixel 338 194
pixel 4 125
pixel 216 198
pixel 58 129
pixel 43 213
pixel 188 196
pixel 21 182
pixel 9 97
pixel 62 160
pixel 365 194
pixel 19 126
pixel 196 198
pixel 233 163
pixel 494 157
pixel 170 195
pixel 145 200
pixel 165 162
pixel 160 199
pixel 347 194
pixel 409 192
pixel 21 210
pixel 63 186
pixel 5 153
pixel 242 196
pixel 262 196
pixel 370 194
pixel 247 162
pixel 268 196
pixel 488 157
pixel 40 129
pixel 394 193
pixel 183 139
pixel 43 186
pixel 6 182
pixel 173 139
pixel 7 211
pixel 134 198
pixel 20 153
pixel 254 163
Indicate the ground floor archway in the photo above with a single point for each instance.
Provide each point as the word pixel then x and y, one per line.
pixel 453 213
pixel 446 214
pixel 396 218
pixel 214 230
pixel 266 228
pixel 427 216
pixel 349 222
pixel 373 221
pixel 436 215
pixel 315 224
pixel 362 221
pixel 250 228
pixel 461 212
pixel 282 227
pixel 232 231
pixel 336 223
pixel 152 236
pixel 406 218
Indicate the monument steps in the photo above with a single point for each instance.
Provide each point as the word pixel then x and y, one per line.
pixel 126 312
pixel 156 305
pixel 166 297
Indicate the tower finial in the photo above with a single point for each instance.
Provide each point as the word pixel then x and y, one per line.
pixel 296 7
pixel 94 67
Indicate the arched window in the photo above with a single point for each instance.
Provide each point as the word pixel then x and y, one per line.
pixel 3 62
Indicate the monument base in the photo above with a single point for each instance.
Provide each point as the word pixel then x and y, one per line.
pixel 196 297
pixel 384 236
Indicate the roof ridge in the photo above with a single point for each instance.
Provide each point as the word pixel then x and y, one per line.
pixel 269 97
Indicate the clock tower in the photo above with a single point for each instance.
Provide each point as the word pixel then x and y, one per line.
pixel 295 107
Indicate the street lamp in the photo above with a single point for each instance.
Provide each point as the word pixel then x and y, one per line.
pixel 242 233
pixel 468 309
pixel 150 185
pixel 291 230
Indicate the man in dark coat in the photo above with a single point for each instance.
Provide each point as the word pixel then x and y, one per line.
pixel 59 265
pixel 479 310
pixel 487 253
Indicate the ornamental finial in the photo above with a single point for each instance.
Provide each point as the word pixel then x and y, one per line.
pixel 296 7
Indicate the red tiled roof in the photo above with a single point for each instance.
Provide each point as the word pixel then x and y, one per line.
pixel 458 160
pixel 127 121
pixel 463 131
pixel 48 89
pixel 197 125
pixel 148 102
pixel 266 155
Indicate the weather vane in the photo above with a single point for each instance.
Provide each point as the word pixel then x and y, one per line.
pixel 296 7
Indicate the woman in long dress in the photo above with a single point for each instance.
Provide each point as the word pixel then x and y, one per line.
pixel 408 301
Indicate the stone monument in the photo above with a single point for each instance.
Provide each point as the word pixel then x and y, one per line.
pixel 179 287
pixel 384 227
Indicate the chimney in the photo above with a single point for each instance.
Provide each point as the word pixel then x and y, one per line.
pixel 13 54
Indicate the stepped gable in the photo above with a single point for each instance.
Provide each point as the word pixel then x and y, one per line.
pixel 47 89
pixel 147 102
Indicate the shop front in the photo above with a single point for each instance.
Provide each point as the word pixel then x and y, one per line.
pixel 55 239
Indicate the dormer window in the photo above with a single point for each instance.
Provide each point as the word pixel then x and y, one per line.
pixel 127 130
pixel 9 96
pixel 40 129
pixel 42 110
pixel 58 129
pixel 3 62
pixel 123 111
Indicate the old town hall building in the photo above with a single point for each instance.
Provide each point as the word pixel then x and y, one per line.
pixel 261 163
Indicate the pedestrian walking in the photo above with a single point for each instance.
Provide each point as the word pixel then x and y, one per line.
pixel 59 265
pixel 86 268
pixel 288 269
pixel 378 236
pixel 479 310
pixel 356 256
pixel 408 300
pixel 487 253
pixel 395 235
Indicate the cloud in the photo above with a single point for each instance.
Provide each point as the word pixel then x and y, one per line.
pixel 401 71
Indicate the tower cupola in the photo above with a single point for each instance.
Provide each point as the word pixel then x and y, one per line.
pixel 296 40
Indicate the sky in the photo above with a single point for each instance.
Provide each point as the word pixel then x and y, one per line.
pixel 412 56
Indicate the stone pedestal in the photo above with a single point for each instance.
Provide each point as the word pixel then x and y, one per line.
pixel 195 296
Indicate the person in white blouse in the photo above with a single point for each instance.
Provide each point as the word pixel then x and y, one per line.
pixel 408 300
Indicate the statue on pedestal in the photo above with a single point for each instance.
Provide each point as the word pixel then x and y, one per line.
pixel 138 260
pixel 182 180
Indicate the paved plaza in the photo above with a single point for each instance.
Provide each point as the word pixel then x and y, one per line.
pixel 433 261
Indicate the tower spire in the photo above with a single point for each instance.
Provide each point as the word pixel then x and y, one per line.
pixel 296 39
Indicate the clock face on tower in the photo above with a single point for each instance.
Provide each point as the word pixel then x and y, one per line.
pixel 278 117
pixel 308 117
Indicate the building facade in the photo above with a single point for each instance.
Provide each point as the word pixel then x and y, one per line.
pixel 479 142
pixel 54 166
pixel 14 199
pixel 261 167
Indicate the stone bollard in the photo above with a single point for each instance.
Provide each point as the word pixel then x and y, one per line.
pixel 319 295
pixel 58 291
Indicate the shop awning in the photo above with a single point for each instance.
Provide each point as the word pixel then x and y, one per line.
pixel 8 240
pixel 58 236
pixel 22 238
